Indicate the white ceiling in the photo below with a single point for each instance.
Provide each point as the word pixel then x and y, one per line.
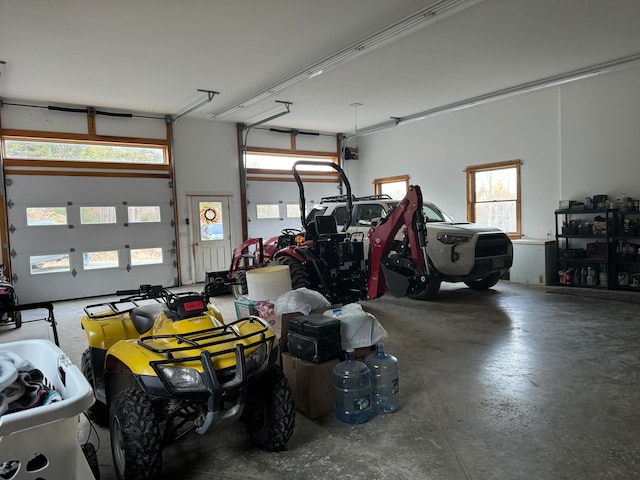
pixel 152 55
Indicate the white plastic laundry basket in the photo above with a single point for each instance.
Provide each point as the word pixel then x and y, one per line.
pixel 44 439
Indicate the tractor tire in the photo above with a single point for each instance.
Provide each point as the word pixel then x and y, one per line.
pixel 484 283
pixel 240 277
pixel 135 437
pixel 298 272
pixel 269 414
pixel 17 318
pixel 429 290
pixel 97 412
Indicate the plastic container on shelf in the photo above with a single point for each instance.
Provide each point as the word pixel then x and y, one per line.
pixel 385 393
pixel 352 390
pixel 42 442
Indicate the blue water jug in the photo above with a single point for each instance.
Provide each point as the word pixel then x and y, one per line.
pixel 385 394
pixel 352 390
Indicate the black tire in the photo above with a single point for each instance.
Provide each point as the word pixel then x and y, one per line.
pixel 298 272
pixel 484 283
pixel 135 437
pixel 17 318
pixel 92 459
pixel 97 412
pixel 269 414
pixel 240 277
pixel 428 291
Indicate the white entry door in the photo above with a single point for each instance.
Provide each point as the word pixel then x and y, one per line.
pixel 211 234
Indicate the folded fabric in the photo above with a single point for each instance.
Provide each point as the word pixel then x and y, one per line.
pixel 10 364
pixel 28 391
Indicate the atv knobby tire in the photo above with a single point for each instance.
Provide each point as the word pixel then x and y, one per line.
pixel 98 411
pixel 90 454
pixel 297 271
pixel 269 414
pixel 135 437
pixel 17 317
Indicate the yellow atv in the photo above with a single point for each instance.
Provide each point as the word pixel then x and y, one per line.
pixel 165 364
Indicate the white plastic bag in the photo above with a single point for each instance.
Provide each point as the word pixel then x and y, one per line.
pixel 300 300
pixel 357 327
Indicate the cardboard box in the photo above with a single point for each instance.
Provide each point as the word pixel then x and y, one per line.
pixel 362 352
pixel 311 385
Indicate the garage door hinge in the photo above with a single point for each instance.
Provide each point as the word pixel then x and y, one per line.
pixel 172 251
pixel 128 268
pixel 14 278
pixel 171 202
pixel 13 253
pixel 174 244
pixel 8 182
pixel 74 272
pixel 12 228
pixel 175 264
pixel 170 184
pixel 173 223
pixel 10 203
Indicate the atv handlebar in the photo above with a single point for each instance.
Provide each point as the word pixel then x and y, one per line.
pixel 151 291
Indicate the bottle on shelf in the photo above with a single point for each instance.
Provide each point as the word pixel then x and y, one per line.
pixel 385 393
pixel 352 390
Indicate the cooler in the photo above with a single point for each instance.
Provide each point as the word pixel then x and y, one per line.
pixel 314 338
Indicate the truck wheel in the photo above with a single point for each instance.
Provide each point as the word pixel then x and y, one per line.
pixel 269 414
pixel 240 277
pixel 98 411
pixel 298 272
pixel 135 437
pixel 484 283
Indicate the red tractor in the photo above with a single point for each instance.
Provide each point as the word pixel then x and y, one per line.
pixel 334 263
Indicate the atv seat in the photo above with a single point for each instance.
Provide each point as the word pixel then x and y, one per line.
pixel 144 316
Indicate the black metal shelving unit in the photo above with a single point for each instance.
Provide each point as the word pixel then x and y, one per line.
pixel 584 244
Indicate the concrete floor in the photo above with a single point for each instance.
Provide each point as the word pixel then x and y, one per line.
pixel 511 383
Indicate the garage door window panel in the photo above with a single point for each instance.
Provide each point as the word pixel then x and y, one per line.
pixel 147 214
pixel 49 263
pixel 100 260
pixel 97 215
pixel 46 216
pixel 145 256
pixel 33 149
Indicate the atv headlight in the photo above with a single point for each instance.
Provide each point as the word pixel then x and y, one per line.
pixel 182 378
pixel 256 357
pixel 451 238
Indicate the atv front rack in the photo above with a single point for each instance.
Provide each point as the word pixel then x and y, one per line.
pixel 204 339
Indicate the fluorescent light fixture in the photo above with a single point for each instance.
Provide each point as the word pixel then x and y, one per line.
pixel 568 77
pixel 426 16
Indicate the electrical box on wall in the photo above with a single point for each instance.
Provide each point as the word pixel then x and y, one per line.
pixel 350 153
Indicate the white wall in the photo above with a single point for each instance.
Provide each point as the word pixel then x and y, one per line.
pixel 601 137
pixel 576 140
pixel 435 152
pixel 205 156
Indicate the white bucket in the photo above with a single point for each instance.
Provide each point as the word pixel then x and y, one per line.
pixel 268 283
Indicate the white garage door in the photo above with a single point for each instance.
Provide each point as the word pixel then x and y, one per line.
pixel 78 236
